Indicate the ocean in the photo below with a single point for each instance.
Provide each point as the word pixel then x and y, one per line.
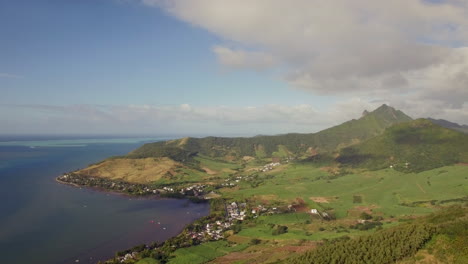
pixel 42 221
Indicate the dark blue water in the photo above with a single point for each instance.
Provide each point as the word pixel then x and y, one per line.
pixel 42 221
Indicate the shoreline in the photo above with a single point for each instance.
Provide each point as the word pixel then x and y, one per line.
pixel 154 244
pixel 104 190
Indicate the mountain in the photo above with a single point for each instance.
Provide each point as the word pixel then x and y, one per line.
pixel 450 125
pixel 412 146
pixel 287 145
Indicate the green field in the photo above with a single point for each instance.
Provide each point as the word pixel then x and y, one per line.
pixel 204 252
pixel 384 191
pixel 148 261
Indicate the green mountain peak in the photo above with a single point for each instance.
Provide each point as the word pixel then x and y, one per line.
pixel 278 146
pixel 411 146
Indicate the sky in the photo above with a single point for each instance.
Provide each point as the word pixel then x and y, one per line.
pixel 226 67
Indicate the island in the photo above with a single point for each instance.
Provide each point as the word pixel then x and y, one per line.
pixel 383 188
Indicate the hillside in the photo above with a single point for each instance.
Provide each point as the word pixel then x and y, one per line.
pixel 450 125
pixel 287 145
pixel 133 170
pixel 443 234
pixel 412 146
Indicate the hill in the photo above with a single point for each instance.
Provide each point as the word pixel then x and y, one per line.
pixel 450 125
pixel 133 170
pixel 281 146
pixel 443 233
pixel 412 146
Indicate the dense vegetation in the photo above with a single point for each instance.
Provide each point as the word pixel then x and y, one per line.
pixel 391 245
pixel 413 146
pixel 380 139
pixel 451 125
pixel 299 145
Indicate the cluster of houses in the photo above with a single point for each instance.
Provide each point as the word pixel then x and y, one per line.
pixel 129 256
pixel 215 231
pixel 210 232
pixel 236 211
pixel 259 209
pixel 233 181
pixel 193 190
pixel 168 189
pixel 229 182
pixel 80 180
pixel 269 166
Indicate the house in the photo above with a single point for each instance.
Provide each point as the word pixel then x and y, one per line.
pixel 313 211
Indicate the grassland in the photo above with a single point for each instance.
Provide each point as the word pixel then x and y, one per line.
pixel 205 252
pixel 388 194
pixel 148 261
pixel 133 170
pixel 385 191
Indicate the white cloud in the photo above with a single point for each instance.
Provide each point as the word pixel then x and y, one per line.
pixel 403 51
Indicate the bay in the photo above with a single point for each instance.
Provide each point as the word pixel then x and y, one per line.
pixel 42 221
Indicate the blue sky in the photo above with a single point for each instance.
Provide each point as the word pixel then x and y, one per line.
pixel 222 67
pixel 110 52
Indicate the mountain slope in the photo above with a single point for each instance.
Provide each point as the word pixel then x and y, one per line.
pixel 413 146
pixel 299 145
pixel 450 125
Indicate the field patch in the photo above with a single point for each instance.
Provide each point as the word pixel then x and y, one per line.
pixel 204 252
pixel 358 210
pixel 209 171
pixel 266 199
pixel 320 199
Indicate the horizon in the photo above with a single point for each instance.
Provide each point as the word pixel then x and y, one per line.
pixel 206 67
pixel 73 136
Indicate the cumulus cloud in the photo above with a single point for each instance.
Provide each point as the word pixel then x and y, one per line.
pixel 399 50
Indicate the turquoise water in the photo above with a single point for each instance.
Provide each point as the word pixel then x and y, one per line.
pixel 42 221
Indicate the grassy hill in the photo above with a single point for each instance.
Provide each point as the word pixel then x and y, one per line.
pixel 133 170
pixel 412 146
pixel 293 144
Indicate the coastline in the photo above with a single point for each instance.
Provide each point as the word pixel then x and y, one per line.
pixel 125 254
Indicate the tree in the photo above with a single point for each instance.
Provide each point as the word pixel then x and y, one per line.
pixel 366 216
